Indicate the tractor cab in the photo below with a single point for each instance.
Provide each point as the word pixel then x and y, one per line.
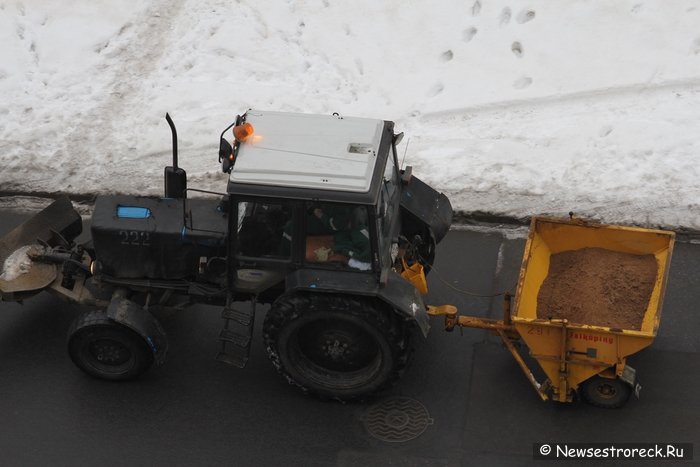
pixel 323 224
pixel 313 192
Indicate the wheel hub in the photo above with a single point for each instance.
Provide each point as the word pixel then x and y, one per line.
pixel 337 346
pixel 337 350
pixel 109 352
pixel 607 391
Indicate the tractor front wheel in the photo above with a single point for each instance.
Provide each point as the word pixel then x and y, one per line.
pixel 333 346
pixel 108 350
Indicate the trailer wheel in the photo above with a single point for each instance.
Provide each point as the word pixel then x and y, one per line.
pixel 335 347
pixel 105 349
pixel 606 392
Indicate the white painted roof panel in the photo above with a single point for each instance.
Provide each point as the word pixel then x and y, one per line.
pixel 309 151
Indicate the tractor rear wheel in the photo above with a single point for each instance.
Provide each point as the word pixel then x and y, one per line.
pixel 105 349
pixel 333 346
pixel 606 392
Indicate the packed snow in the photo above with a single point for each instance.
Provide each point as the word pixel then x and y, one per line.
pixel 510 107
pixel 18 263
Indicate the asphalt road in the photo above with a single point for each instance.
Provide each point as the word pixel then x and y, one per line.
pixel 464 398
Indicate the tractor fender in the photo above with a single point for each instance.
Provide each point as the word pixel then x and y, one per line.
pixel 139 320
pixel 396 291
pixel 405 298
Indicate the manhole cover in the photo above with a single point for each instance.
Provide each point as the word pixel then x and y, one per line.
pixel 397 420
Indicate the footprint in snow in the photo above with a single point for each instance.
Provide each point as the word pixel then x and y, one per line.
pixel 522 83
pixel 360 66
pixel 505 15
pixel 435 90
pixel 469 33
pixel 447 56
pixel 695 47
pixel 517 49
pixel 605 130
pixel 525 15
pixel 476 8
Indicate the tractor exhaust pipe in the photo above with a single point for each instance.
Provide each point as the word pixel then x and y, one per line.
pixel 175 177
pixel 174 133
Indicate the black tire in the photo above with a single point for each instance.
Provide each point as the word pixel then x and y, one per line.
pixel 107 350
pixel 605 392
pixel 334 346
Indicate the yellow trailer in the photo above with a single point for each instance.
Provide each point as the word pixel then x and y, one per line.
pixel 588 358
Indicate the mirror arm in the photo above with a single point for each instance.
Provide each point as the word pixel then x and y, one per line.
pixel 224 132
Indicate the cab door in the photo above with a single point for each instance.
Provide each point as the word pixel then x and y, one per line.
pixel 261 243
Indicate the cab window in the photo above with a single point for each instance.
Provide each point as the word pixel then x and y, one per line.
pixel 261 229
pixel 337 235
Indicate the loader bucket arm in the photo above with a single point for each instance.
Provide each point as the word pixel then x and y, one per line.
pixel 55 224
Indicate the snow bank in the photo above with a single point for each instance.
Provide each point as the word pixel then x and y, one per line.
pixel 509 107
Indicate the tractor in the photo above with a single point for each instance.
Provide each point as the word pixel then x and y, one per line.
pixel 318 220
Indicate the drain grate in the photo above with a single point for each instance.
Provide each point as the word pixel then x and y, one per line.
pixel 397 420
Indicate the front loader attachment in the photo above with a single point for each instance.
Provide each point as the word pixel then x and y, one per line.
pixel 57 225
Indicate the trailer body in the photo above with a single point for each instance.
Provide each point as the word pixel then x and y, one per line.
pixel 571 353
pixel 575 357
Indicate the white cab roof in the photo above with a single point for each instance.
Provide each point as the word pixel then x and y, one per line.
pixel 309 151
